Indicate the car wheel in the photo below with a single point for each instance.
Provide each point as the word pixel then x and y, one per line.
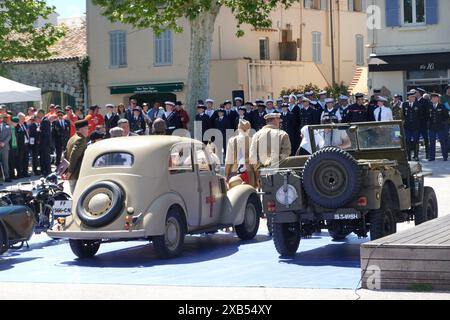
pixel 338 232
pixel 252 216
pixel 170 245
pixel 331 178
pixel 100 204
pixel 3 240
pixel 270 224
pixel 286 237
pixel 382 224
pixel 429 208
pixel 84 249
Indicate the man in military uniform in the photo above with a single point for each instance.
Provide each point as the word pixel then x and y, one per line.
pixel 173 121
pixel 330 112
pixel 424 106
pixel 343 108
pixel 289 125
pixel 202 118
pixel 270 145
pixel 438 117
pixel 230 114
pixel 382 112
pixel 75 152
pixel 238 102
pixel 322 97
pixel 411 116
pixel 357 112
pixel 373 104
pixel 308 114
pixel 258 117
pixel 396 107
pixel 270 107
pixel 222 124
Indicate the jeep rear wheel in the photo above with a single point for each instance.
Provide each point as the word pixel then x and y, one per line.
pixel 286 237
pixel 84 249
pixel 331 178
pixel 171 243
pixel 252 216
pixel 429 209
pixel 382 224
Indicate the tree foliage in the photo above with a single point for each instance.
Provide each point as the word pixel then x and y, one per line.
pixel 18 37
pixel 165 14
pixel 332 91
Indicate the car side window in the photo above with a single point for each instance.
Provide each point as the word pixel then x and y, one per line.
pixel 180 159
pixel 203 162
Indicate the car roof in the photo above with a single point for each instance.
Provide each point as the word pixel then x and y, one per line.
pixel 150 152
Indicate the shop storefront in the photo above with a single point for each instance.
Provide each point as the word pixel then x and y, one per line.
pixel 400 73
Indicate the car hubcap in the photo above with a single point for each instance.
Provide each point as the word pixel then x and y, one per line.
pixel 250 217
pixel 330 179
pixel 172 234
pixel 98 202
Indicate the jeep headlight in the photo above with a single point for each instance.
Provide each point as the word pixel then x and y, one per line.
pixel 286 195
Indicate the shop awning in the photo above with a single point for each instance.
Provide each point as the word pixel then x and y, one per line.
pixel 147 88
pixel 410 62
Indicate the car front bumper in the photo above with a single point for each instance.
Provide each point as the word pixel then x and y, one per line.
pixel 97 235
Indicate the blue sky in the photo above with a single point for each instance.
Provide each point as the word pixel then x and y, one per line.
pixel 69 8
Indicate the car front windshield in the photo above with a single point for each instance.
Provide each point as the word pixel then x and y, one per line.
pixel 382 136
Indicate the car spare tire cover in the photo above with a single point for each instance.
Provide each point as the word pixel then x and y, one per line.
pixel 331 178
pixel 100 204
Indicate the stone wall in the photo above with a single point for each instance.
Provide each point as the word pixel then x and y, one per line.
pixel 50 76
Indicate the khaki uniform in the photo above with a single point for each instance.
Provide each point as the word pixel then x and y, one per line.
pixel 238 153
pixel 74 154
pixel 269 146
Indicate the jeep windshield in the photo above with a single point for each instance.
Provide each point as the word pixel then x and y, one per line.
pixel 350 137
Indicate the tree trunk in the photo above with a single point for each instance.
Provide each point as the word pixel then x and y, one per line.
pixel 202 31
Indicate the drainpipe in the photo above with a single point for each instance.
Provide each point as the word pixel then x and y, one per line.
pixel 333 66
pixel 249 76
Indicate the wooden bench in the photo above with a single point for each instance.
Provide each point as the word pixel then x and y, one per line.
pixel 417 259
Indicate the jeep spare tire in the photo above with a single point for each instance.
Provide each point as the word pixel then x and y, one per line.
pixel 331 178
pixel 100 204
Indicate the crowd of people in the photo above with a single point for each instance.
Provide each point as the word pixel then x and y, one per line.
pixel 33 137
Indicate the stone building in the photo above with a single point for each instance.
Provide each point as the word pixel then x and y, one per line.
pixel 61 77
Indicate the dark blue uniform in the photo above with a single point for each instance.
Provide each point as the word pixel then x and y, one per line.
pixel 370 116
pixel 204 120
pixel 438 117
pixel 412 117
pixel 45 142
pixel 222 125
pixel 34 146
pixel 138 124
pixel 61 133
pixel 344 112
pixel 173 122
pixel 310 116
pixel 289 125
pixel 424 106
pixel 258 120
pixel 356 113
pixel 231 115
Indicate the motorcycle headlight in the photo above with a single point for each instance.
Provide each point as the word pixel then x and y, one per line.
pixel 286 195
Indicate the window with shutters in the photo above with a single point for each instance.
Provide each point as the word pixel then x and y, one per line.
pixel 164 49
pixel 118 49
pixel 357 5
pixel 359 50
pixel 413 12
pixel 315 4
pixel 317 47
pixel 264 53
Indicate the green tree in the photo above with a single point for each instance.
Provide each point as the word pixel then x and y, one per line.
pixel 18 37
pixel 161 15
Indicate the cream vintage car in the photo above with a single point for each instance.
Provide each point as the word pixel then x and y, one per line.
pixel 158 188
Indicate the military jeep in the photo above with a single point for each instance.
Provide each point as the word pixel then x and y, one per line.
pixel 354 178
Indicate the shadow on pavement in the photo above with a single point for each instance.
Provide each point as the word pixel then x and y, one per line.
pixel 196 249
pixel 8 262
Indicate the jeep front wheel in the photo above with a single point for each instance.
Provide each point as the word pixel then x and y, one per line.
pixel 170 244
pixel 286 237
pixel 84 249
pixel 429 209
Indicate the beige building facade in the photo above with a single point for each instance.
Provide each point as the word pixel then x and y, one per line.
pixel 295 51
pixel 412 47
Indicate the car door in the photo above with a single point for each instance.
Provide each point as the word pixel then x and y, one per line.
pixel 211 197
pixel 183 180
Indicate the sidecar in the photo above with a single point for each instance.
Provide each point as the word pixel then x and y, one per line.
pixel 16 226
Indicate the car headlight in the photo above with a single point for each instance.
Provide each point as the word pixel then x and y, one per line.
pixel 286 195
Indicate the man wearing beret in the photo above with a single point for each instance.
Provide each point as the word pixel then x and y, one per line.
pixel 75 152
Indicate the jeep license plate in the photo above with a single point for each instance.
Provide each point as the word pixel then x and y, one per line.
pixel 62 209
pixel 346 216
